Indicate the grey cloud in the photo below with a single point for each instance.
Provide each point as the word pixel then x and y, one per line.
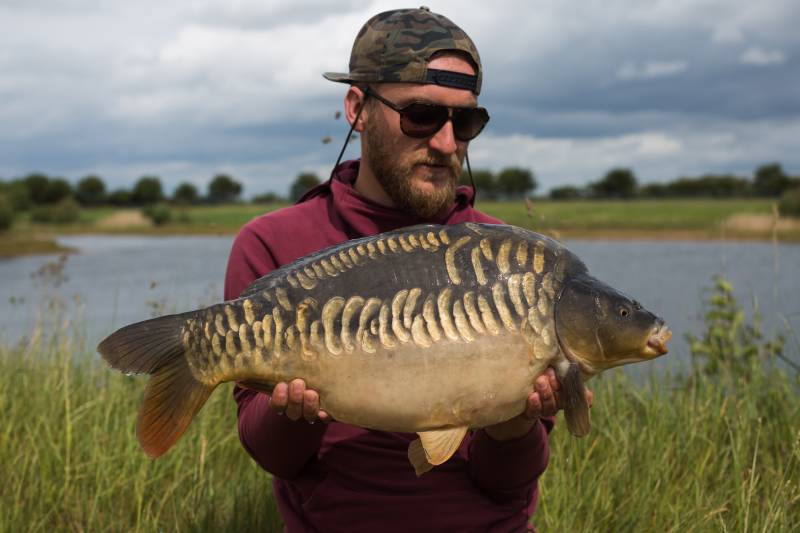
pixel 761 57
pixel 185 89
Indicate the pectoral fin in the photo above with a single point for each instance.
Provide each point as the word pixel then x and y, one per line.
pixel 434 448
pixel 576 408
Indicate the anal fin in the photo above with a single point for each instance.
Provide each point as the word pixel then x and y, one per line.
pixel 434 447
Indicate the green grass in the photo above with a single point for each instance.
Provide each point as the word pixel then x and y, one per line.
pixel 689 218
pixel 69 459
pixel 659 215
pixel 668 454
pixel 671 457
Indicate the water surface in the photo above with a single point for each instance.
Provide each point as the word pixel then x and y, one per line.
pixel 124 279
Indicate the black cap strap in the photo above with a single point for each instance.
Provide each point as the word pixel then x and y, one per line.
pixel 447 78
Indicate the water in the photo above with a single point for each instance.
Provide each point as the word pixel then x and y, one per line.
pixel 124 279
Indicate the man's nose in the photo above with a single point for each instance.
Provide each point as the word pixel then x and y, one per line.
pixel 444 140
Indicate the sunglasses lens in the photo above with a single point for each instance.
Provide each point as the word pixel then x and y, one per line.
pixel 422 120
pixel 468 122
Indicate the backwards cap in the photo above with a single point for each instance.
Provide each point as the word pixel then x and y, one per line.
pixel 395 46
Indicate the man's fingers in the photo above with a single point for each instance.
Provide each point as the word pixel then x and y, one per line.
pixel 589 397
pixel 294 409
pixel 310 405
pixel 533 407
pixel 555 385
pixel 549 406
pixel 279 398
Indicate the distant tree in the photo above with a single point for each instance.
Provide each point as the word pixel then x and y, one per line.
pixel 711 185
pixel 36 184
pixel 6 212
pixel 770 180
pixel 485 183
pixel 566 192
pixel 790 203
pixel 223 189
pixel 90 191
pixel 302 184
pixel 120 198
pixel 16 194
pixel 267 198
pixel 62 212
pixel 514 182
pixel 617 183
pixel 185 194
pixel 147 191
pixel 654 190
pixel 57 190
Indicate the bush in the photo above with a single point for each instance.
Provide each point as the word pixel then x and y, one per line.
pixel 733 346
pixel 158 213
pixel 63 212
pixel 790 203
pixel 6 213
pixel 267 198
pixel 567 192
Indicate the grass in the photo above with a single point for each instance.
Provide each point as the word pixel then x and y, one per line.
pixel 70 461
pixel 689 218
pixel 672 457
pixel 657 215
pixel 674 453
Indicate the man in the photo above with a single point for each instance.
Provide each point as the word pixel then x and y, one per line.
pixel 405 67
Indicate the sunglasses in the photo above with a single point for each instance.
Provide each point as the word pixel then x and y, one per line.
pixel 420 119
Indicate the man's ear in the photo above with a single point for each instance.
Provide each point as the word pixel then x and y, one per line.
pixel 353 101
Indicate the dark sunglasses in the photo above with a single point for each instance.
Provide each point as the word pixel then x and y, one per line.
pixel 420 120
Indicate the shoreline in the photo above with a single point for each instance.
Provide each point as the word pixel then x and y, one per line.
pixel 47 243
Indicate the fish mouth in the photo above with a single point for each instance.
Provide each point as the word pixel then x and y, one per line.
pixel 657 342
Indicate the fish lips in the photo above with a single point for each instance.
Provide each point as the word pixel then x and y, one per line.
pixel 657 342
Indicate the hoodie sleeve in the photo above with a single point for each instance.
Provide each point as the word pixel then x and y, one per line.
pixel 281 446
pixel 510 470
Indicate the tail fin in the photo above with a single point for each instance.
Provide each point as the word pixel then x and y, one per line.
pixel 173 396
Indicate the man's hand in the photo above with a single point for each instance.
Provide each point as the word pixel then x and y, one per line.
pixel 296 401
pixel 545 400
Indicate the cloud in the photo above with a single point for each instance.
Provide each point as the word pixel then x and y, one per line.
pixel 683 148
pixel 727 34
pixel 761 57
pixel 192 87
pixel 650 70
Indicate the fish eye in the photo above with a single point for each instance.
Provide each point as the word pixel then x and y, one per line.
pixel 623 312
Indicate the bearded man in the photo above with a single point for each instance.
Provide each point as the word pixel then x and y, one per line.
pixel 414 81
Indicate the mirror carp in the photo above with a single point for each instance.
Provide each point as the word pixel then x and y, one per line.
pixel 442 328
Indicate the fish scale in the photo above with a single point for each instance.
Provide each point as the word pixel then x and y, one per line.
pixel 442 316
pixel 451 262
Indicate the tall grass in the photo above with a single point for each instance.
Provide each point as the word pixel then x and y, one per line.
pixel 69 460
pixel 671 453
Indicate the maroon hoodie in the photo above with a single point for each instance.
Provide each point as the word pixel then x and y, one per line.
pixel 338 477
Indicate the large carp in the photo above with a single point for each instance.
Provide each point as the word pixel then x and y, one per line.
pixel 442 328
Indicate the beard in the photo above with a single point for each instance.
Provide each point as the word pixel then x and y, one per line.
pixel 395 173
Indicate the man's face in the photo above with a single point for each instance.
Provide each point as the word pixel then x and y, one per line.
pixel 419 175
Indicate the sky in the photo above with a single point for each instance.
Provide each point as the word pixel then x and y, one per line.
pixel 188 89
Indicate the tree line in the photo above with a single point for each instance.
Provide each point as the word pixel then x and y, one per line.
pixel 768 181
pixel 55 199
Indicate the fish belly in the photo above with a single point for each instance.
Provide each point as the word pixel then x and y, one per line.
pixel 411 389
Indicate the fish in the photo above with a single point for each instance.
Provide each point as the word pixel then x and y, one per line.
pixel 443 328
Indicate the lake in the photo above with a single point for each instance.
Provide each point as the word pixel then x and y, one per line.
pixel 116 280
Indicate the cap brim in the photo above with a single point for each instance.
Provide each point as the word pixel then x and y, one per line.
pixel 337 76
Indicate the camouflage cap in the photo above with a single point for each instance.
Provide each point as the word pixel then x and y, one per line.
pixel 395 46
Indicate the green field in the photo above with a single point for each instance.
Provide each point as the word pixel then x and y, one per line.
pixel 682 453
pixel 655 219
